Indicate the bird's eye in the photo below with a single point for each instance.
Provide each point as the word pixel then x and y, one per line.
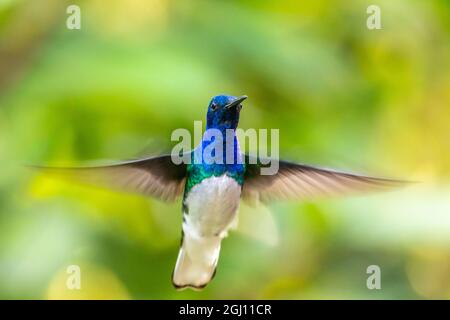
pixel 213 107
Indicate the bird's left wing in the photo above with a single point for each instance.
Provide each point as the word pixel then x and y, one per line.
pixel 298 181
pixel 158 177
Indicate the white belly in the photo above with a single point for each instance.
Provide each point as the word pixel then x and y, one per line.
pixel 212 207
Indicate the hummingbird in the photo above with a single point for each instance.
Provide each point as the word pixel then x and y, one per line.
pixel 212 191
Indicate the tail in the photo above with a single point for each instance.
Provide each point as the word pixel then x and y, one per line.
pixel 196 263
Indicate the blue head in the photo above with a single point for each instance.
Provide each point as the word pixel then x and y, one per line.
pixel 223 112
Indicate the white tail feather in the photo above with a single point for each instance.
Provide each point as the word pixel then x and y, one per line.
pixel 196 263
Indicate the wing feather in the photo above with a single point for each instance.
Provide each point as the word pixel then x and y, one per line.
pixel 158 177
pixel 295 181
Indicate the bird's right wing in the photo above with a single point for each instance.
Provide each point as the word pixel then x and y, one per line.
pixel 158 177
pixel 299 181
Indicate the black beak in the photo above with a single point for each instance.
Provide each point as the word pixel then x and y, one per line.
pixel 236 102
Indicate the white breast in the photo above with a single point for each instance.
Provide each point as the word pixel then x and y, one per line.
pixel 212 207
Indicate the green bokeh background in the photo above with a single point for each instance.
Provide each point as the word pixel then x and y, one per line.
pixel 373 101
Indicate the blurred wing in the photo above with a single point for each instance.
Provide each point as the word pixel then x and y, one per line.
pixel 298 181
pixel 158 177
